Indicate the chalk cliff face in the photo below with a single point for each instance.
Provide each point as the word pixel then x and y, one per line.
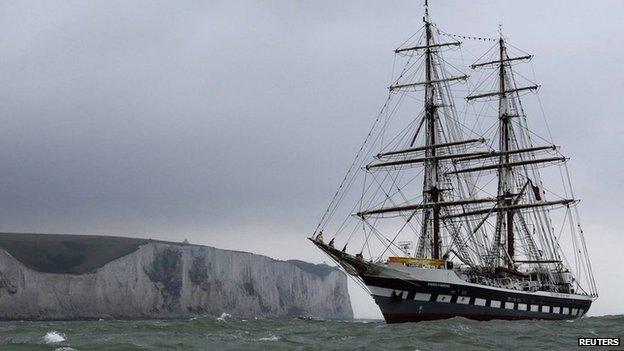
pixel 161 280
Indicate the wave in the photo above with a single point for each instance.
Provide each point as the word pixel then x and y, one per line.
pixel 270 338
pixel 230 332
pixel 53 337
pixel 224 316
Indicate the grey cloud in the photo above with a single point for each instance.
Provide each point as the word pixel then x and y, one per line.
pixel 217 120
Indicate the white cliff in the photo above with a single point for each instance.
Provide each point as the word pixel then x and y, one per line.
pixel 161 280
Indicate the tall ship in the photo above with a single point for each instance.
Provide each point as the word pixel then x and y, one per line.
pixel 453 206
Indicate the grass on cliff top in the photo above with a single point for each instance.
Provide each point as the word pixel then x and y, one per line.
pixel 80 254
pixel 61 253
pixel 321 270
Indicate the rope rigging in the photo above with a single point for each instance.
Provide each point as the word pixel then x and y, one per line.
pixel 505 165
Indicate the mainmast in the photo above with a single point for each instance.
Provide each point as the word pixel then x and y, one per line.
pixel 505 218
pixel 512 154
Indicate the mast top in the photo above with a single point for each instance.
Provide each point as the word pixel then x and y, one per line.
pixel 426 17
pixel 501 38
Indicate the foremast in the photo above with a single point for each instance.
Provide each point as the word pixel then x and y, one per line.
pixel 431 191
pixel 437 148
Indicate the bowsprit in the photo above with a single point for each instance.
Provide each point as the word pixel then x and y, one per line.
pixel 446 206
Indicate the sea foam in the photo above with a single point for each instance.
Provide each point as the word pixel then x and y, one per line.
pixel 270 338
pixel 53 337
pixel 224 316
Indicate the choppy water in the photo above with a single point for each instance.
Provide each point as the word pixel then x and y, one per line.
pixel 226 333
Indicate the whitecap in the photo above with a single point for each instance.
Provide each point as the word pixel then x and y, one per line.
pixel 270 338
pixel 52 337
pixel 224 316
pixel 65 349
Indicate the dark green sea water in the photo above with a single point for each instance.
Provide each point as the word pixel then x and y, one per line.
pixel 211 333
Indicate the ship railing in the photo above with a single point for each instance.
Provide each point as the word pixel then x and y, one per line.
pixel 420 262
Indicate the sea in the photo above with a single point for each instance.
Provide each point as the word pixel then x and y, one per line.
pixel 228 333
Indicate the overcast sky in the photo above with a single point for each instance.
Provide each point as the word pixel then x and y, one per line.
pixel 231 123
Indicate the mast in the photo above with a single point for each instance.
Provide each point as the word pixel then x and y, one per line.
pixel 505 218
pixel 431 191
pixel 437 148
pixel 456 172
pixel 515 153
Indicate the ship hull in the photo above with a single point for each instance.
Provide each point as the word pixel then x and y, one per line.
pixel 402 300
pixel 413 294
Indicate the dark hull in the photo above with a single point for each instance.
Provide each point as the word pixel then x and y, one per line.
pixel 417 311
pixel 414 301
